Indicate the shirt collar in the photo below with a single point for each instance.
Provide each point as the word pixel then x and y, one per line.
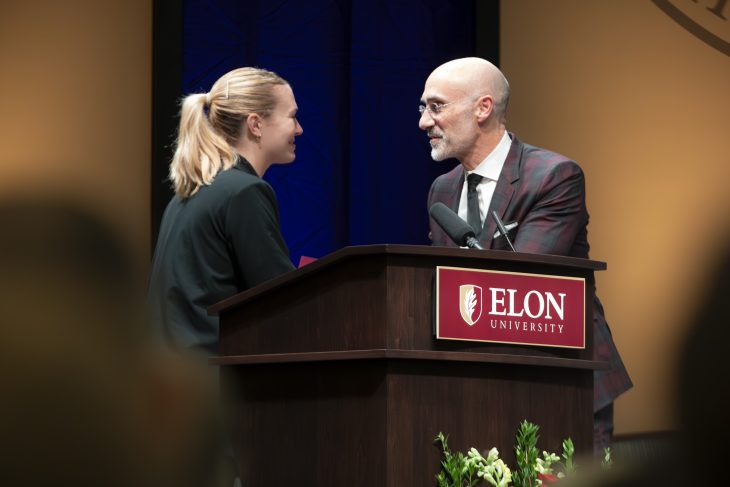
pixel 491 166
pixel 244 165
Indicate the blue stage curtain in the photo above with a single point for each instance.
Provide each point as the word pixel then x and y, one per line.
pixel 357 69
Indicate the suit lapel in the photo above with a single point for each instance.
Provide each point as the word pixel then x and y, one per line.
pixel 447 190
pixel 503 192
pixel 454 192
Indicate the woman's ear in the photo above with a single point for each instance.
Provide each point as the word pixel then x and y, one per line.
pixel 253 123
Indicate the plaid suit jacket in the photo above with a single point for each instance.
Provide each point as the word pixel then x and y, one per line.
pixel 544 193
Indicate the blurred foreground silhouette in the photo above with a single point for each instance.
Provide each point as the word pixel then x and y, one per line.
pixel 696 455
pixel 88 398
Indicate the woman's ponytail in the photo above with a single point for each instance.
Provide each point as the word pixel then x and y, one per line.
pixel 201 152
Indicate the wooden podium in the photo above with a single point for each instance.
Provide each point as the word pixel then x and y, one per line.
pixel 333 376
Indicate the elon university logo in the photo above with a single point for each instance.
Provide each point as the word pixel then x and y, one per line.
pixel 470 303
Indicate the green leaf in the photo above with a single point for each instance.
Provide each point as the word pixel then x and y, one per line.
pixel 526 453
pixel 568 451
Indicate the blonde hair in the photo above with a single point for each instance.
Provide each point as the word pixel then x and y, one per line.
pixel 205 144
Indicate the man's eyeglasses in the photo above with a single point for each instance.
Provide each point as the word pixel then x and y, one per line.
pixel 432 108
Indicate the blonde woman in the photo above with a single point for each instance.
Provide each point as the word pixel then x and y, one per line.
pixel 220 232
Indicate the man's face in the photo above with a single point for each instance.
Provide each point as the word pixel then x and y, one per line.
pixel 448 118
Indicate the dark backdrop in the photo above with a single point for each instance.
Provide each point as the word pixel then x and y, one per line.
pixel 357 68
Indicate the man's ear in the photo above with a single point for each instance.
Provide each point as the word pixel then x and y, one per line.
pixel 253 123
pixel 485 107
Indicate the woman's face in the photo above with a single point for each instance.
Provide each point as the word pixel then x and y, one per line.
pixel 280 128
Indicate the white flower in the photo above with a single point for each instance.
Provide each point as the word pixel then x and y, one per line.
pixel 496 473
pixel 474 453
pixel 544 465
pixel 493 455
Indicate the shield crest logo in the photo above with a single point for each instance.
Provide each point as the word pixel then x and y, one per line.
pixel 470 303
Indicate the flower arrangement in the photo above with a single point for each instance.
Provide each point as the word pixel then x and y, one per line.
pixel 531 470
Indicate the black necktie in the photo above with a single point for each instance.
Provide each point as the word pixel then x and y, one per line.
pixel 472 203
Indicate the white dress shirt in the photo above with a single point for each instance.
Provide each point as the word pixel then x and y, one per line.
pixel 489 169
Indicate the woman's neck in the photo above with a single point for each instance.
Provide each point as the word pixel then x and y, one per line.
pixel 252 153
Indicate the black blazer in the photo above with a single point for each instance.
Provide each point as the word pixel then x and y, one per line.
pixel 222 240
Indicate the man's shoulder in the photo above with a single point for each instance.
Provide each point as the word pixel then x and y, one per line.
pixel 533 152
pixel 450 177
pixel 534 159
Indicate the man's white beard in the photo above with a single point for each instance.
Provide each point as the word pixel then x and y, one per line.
pixel 438 153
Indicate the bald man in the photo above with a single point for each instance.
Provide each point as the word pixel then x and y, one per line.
pixel 538 194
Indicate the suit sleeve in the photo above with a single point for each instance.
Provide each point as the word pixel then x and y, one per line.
pixel 252 223
pixel 440 192
pixel 431 222
pixel 558 213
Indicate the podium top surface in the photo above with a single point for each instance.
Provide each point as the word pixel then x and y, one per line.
pixel 420 251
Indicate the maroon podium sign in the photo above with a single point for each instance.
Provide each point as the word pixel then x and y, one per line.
pixel 509 307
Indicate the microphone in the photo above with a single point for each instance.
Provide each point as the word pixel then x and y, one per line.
pixel 457 229
pixel 502 230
